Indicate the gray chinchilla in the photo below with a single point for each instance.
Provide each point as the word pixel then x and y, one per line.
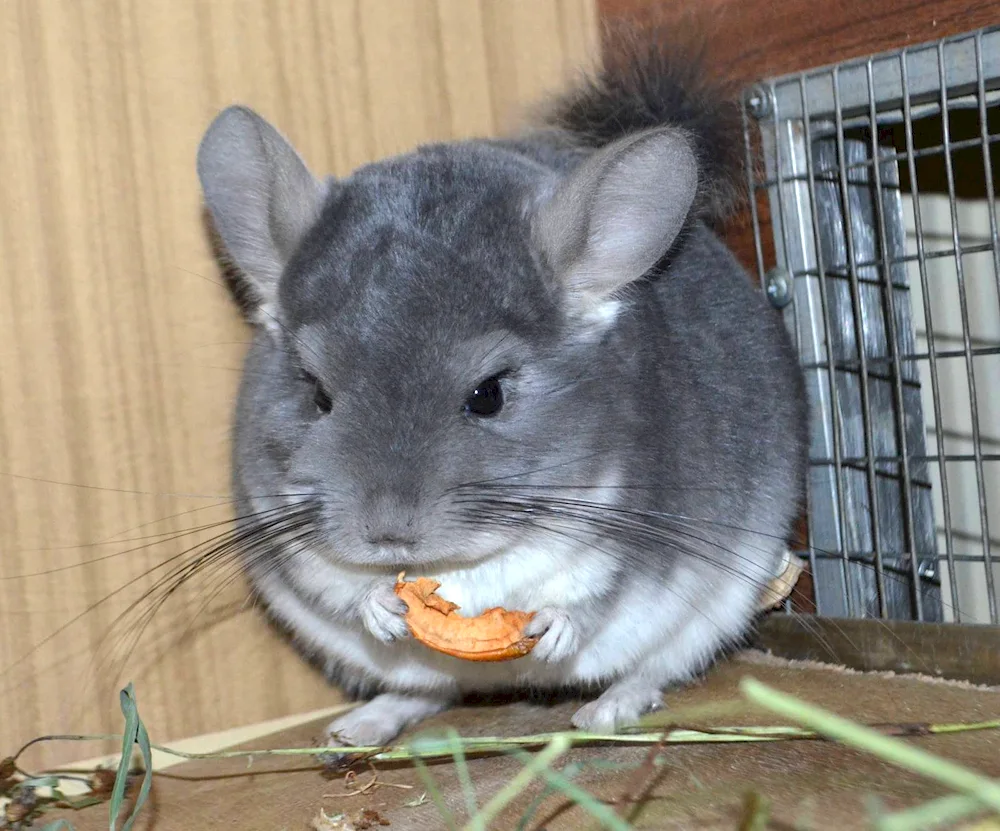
pixel 525 367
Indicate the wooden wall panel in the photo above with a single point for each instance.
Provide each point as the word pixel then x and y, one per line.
pixel 119 348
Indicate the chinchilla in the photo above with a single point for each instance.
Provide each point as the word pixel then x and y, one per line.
pixel 526 367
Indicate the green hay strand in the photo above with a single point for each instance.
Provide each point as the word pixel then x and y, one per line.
pixel 135 731
pixel 945 811
pixel 889 749
pixel 462 769
pixel 434 792
pixel 437 748
pixel 557 747
pixel 563 784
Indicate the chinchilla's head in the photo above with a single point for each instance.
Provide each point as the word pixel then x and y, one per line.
pixel 429 327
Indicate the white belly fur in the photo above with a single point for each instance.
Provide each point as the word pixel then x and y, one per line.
pixel 663 632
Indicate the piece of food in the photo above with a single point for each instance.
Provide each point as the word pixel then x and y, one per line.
pixel 779 589
pixel 495 635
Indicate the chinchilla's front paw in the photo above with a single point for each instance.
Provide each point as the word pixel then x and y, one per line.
pixel 382 613
pixel 558 636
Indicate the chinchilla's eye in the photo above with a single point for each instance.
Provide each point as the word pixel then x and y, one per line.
pixel 486 399
pixel 321 397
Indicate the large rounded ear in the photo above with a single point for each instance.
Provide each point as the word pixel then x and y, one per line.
pixel 262 199
pixel 615 216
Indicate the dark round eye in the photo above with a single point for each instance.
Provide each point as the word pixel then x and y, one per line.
pixel 486 399
pixel 321 399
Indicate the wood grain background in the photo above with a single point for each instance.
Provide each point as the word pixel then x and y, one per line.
pixel 119 349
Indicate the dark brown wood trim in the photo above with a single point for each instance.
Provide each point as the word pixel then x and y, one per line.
pixel 944 650
pixel 749 39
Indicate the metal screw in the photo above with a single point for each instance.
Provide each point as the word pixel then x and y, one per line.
pixel 759 101
pixel 778 287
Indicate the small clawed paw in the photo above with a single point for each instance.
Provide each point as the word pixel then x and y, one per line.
pixel 354 729
pixel 383 614
pixel 558 638
pixel 616 708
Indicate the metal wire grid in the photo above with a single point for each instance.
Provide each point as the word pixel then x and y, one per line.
pixel 834 188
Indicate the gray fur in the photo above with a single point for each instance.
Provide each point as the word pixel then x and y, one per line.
pixel 646 382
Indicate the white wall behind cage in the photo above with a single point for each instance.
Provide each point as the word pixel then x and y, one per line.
pixel 944 309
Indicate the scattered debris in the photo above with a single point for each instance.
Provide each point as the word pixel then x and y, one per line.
pixel 756 812
pixel 370 818
pixel 20 810
pixel 416 803
pixel 102 782
pixel 324 822
pixel 366 820
pixel 350 783
pixel 8 767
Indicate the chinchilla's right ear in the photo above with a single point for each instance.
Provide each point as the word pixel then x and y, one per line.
pixel 262 199
pixel 614 217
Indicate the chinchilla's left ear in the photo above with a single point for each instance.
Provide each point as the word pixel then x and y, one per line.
pixel 615 216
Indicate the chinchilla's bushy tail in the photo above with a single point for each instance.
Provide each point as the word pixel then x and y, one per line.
pixel 651 78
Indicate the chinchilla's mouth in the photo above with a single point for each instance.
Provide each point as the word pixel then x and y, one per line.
pixel 419 562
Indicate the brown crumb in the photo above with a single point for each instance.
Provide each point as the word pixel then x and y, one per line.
pixel 102 782
pixel 370 818
pixel 8 767
pixel 20 808
pixel 324 822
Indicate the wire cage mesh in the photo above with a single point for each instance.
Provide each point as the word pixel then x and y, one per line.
pixel 875 224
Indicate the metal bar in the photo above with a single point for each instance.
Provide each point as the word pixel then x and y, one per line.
pixel 985 139
pixel 851 366
pixel 969 366
pixel 922 153
pixel 834 403
pixel 752 191
pixel 994 239
pixel 922 83
pixel 829 510
pixel 981 248
pixel 899 411
pixel 783 223
pixel 862 461
pixel 793 311
pixel 841 339
pixel 929 326
pixel 868 556
pixel 752 187
pixel 866 416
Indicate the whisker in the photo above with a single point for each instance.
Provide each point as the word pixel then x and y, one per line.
pixel 165 536
pixel 108 597
pixel 533 472
pixel 561 531
pixel 640 529
pixel 242 543
pixel 129 491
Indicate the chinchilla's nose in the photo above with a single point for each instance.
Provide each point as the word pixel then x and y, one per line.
pixel 389 518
